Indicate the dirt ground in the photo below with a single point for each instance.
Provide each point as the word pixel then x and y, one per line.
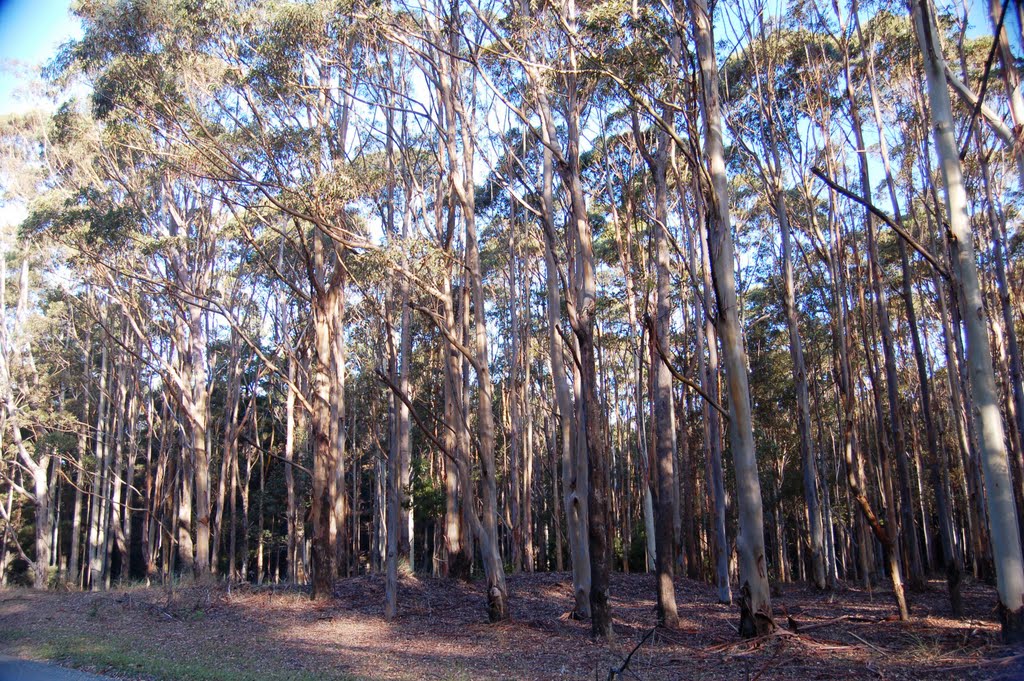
pixel 442 633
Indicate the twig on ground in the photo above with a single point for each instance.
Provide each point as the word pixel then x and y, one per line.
pixel 868 643
pixel 612 673
pixel 842 618
pixel 999 661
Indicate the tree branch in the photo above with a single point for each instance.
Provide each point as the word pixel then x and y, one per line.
pixel 914 243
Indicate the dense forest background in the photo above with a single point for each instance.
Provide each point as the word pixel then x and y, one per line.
pixel 306 290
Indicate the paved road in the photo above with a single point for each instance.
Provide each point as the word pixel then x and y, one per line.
pixel 13 669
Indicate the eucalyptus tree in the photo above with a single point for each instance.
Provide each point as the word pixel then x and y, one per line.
pixel 33 455
pixel 536 95
pixel 940 464
pixel 1003 521
pixel 768 58
pixel 286 155
pixel 663 408
pixel 448 37
pixel 755 599
pixel 24 171
pixel 573 92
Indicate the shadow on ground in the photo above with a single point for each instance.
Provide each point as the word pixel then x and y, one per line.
pixel 207 633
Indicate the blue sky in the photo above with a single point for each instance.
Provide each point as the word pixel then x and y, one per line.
pixel 30 32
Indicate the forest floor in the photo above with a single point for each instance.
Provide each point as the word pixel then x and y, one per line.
pixel 208 634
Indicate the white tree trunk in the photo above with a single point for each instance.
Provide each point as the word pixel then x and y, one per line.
pixel 1006 548
pixel 755 606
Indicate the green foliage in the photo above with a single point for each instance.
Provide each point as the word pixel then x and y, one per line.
pixel 88 213
pixel 67 125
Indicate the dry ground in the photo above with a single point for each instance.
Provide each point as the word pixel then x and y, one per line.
pixel 441 633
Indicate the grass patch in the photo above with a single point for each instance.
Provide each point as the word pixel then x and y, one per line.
pixel 12 635
pixel 108 655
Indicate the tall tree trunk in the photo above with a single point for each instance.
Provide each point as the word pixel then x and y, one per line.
pixel 114 527
pixel 42 493
pixel 755 605
pixel 74 558
pixel 339 425
pixel 709 372
pixel 895 426
pixel 662 409
pixel 461 174
pixel 197 408
pixel 1006 548
pixel 953 569
pixel 526 387
pixel 99 480
pixel 458 488
pixel 573 486
pixel 129 480
pixel 324 460
pixel 459 560
pixel 296 570
pixel 74 572
pixel 230 444
pixel 406 530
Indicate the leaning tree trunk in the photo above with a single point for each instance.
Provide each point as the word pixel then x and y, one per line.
pixel 709 372
pixel 755 603
pixel 573 488
pixel 938 454
pixel 796 351
pixel 460 162
pixel 1006 548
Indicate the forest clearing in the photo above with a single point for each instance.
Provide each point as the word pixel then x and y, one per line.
pixel 206 634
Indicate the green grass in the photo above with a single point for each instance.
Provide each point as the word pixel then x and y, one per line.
pixel 109 655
